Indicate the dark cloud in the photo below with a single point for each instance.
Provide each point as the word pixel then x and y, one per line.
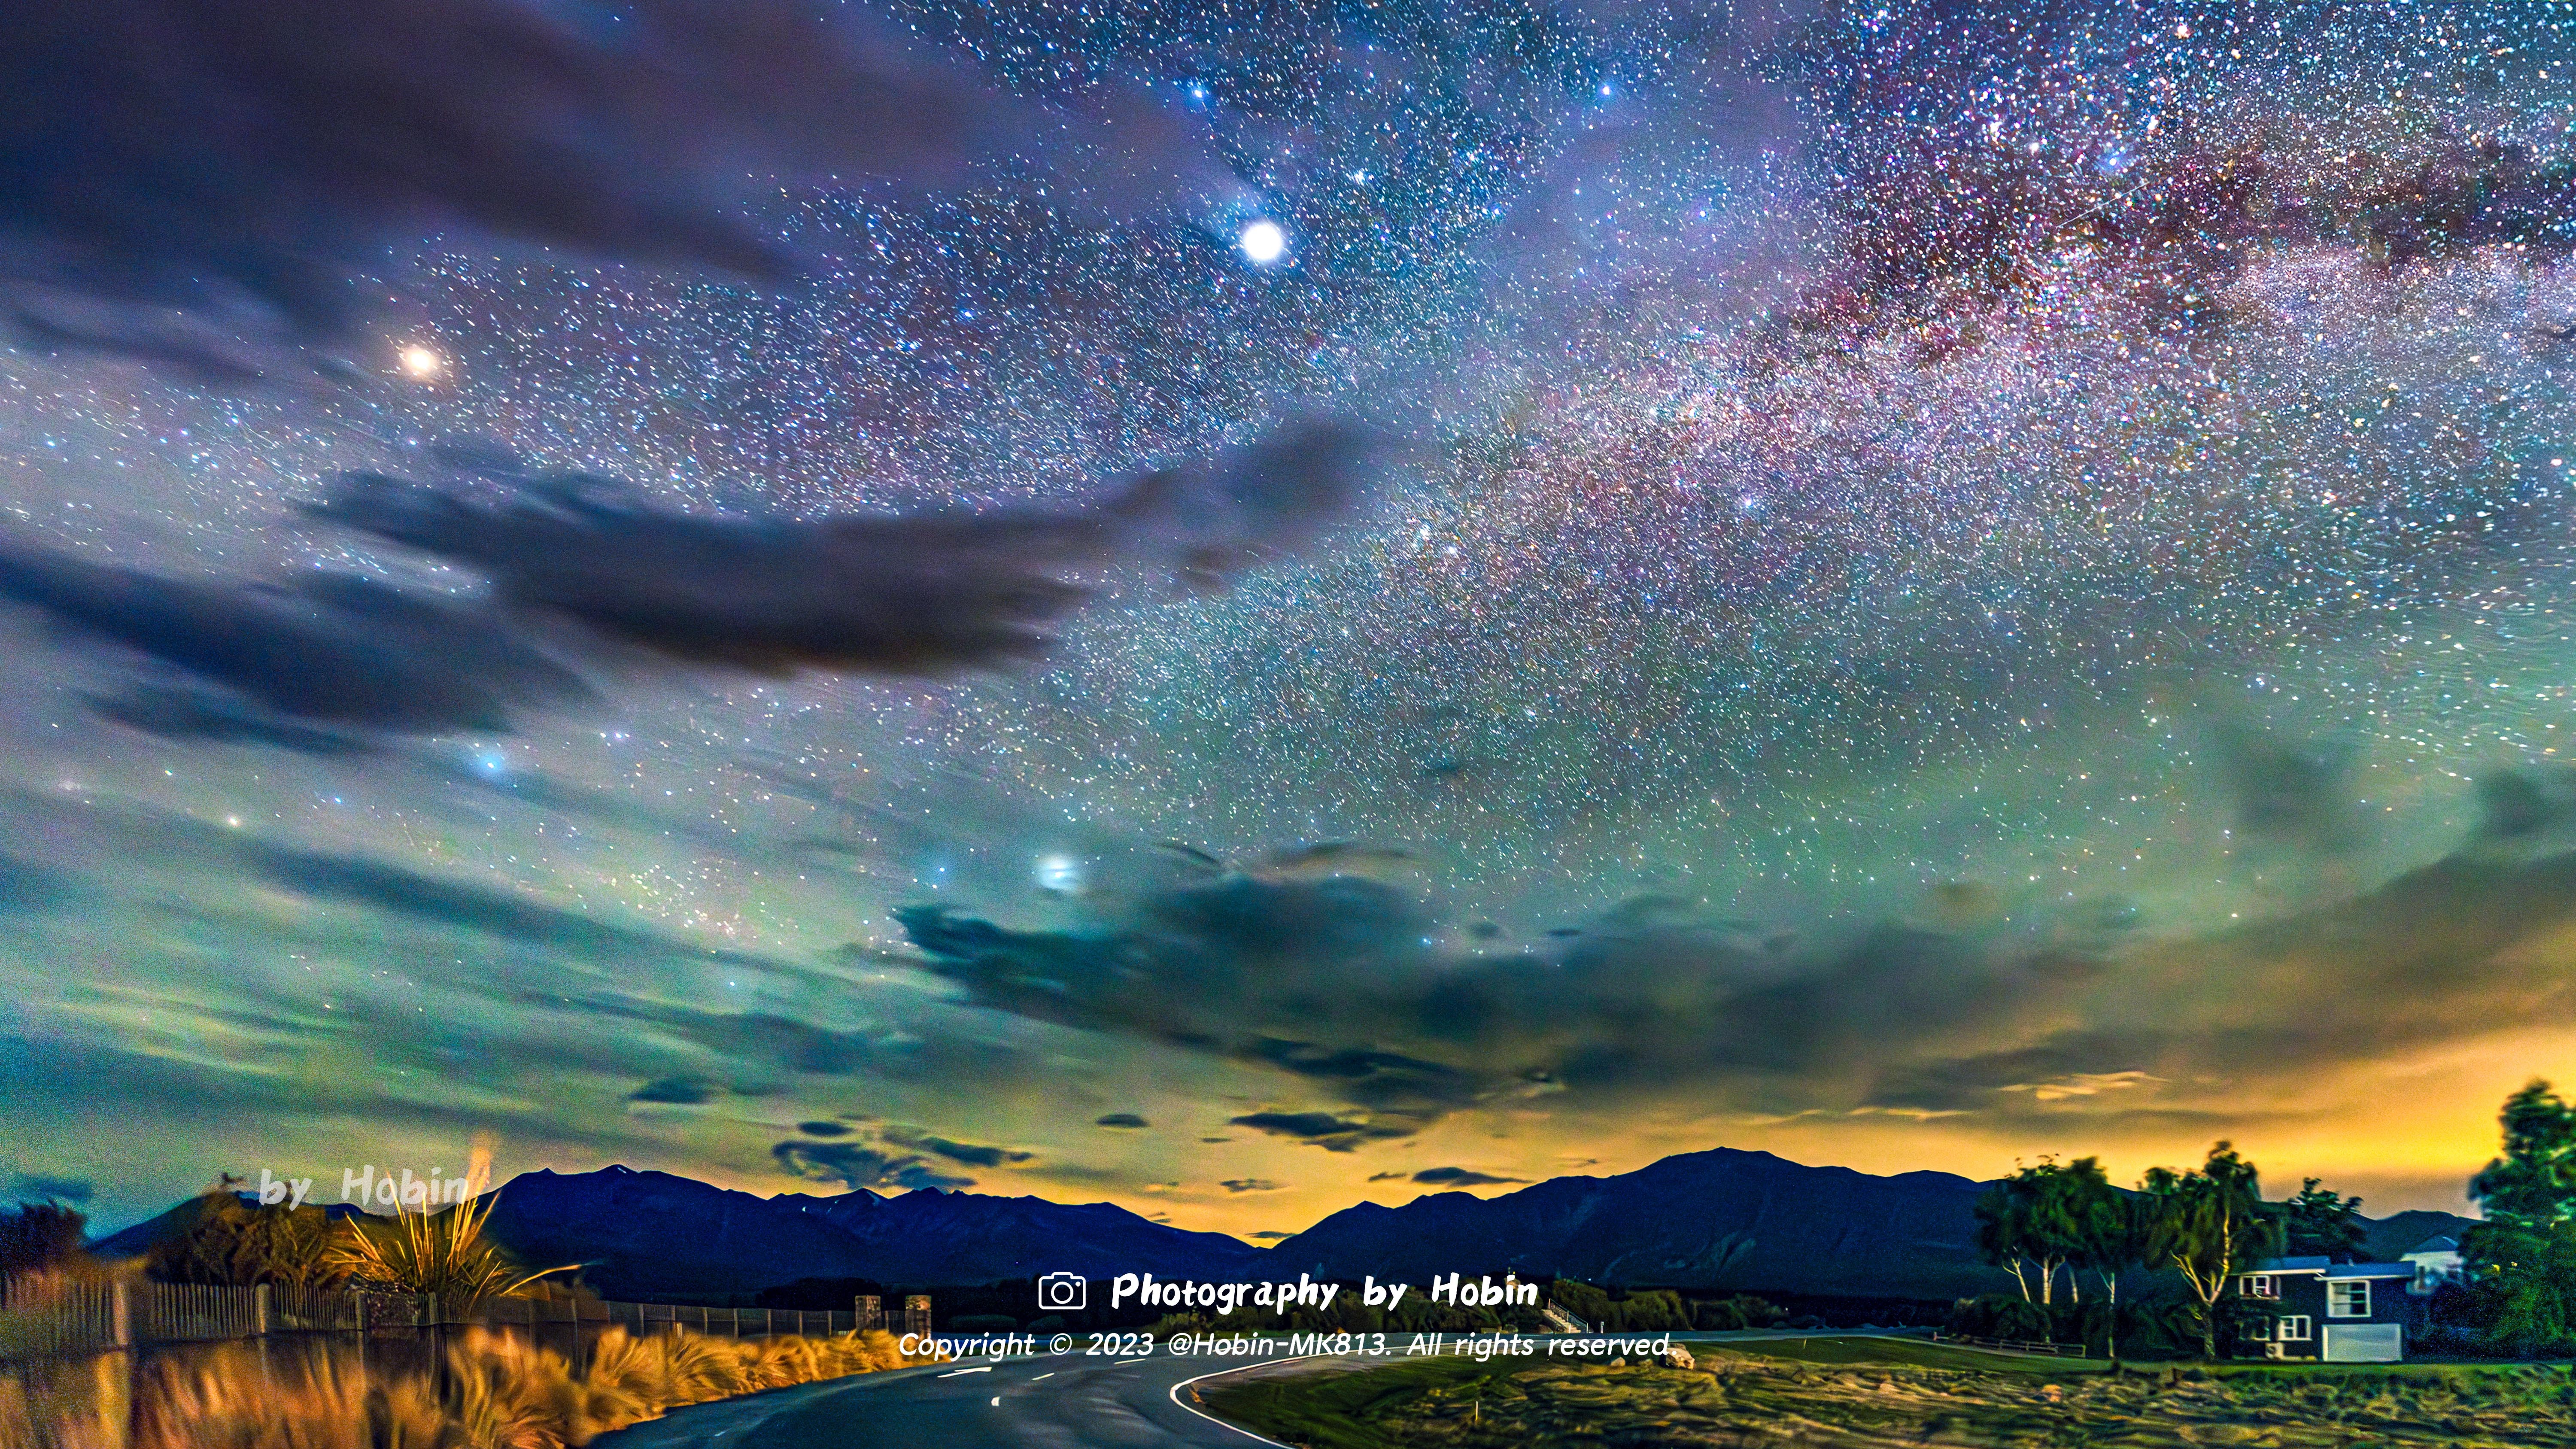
pixel 198 716
pixel 2049 1016
pixel 769 1040
pixel 1309 862
pixel 2523 806
pixel 926 593
pixel 401 891
pixel 823 1129
pixel 1324 1129
pixel 325 664
pixel 1389 1023
pixel 1127 1120
pixel 758 1047
pixel 329 650
pixel 1249 1184
pixel 38 1188
pixel 1968 1082
pixel 1460 1177
pixel 971 1153
pixel 679 1091
pixel 26 886
pixel 1265 1237
pixel 201 181
pixel 2291 791
pixel 1231 965
pixel 855 1166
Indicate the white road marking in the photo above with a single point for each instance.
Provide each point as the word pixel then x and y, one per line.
pixel 1050 1373
pixel 1220 1373
pixel 952 1373
pixel 1135 1360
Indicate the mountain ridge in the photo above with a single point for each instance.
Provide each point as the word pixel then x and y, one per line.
pixel 1725 1219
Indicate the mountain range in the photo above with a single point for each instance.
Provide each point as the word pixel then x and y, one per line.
pixel 653 1234
pixel 1722 1219
pixel 1717 1219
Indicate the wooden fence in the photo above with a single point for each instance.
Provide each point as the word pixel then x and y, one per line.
pixel 2016 1345
pixel 68 1319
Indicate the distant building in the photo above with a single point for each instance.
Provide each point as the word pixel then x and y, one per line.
pixel 2315 1308
pixel 2437 1261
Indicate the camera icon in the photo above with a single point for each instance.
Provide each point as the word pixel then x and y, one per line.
pixel 1062 1292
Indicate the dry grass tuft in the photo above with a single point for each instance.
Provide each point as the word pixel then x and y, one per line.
pixel 499 1392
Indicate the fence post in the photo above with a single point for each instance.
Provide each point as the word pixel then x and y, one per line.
pixel 120 1315
pixel 259 1311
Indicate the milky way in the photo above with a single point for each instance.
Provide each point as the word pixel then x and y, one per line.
pixel 2066 484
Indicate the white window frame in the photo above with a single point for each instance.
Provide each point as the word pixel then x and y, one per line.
pixel 2296 1328
pixel 2261 1285
pixel 2347 1298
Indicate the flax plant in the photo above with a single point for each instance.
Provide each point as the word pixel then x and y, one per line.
pixel 442 1253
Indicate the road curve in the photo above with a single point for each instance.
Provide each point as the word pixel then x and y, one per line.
pixel 1067 1401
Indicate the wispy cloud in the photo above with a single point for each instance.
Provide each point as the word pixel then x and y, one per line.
pixel 201 182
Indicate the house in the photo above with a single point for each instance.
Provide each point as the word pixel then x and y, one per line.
pixel 2315 1308
pixel 2437 1261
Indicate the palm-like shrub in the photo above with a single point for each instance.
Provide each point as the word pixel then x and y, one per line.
pixel 442 1253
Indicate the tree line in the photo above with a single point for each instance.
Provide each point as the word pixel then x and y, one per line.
pixel 2198 1229
pixel 220 1239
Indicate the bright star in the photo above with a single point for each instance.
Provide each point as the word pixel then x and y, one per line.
pixel 1263 242
pixel 422 362
pixel 1059 873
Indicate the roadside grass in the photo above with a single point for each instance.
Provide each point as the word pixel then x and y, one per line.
pixel 497 1392
pixel 1826 1393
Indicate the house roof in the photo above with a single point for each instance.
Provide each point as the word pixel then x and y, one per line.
pixel 2328 1268
pixel 2438 1243
pixel 2370 1270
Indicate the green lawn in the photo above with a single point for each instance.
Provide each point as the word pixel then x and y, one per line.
pixel 1915 1352
pixel 1830 1393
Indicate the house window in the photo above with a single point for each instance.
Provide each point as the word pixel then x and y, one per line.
pixel 2259 1330
pixel 2261 1285
pixel 2348 1298
pixel 2295 1328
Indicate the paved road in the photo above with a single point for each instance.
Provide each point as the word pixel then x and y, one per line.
pixel 1047 1402
pixel 1043 1402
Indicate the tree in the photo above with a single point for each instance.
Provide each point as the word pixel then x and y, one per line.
pixel 2317 1224
pixel 2106 1231
pixel 2023 1219
pixel 228 1241
pixel 2002 1230
pixel 2522 1258
pixel 40 1237
pixel 2209 1224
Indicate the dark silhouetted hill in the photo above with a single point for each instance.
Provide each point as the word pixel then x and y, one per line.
pixel 652 1234
pixel 1719 1219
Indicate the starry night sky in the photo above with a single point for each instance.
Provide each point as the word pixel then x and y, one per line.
pixel 1947 582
